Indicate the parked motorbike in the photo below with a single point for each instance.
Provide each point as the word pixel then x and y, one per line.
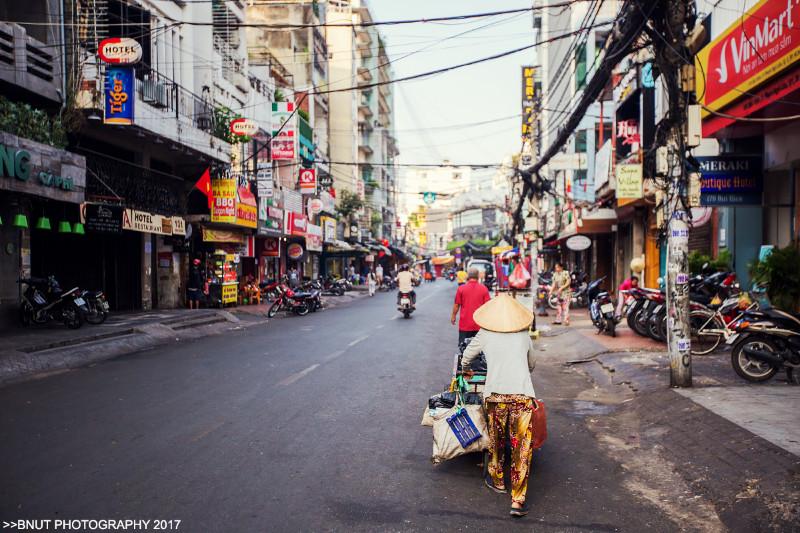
pixel 96 306
pixel 287 299
pixel 766 341
pixel 43 301
pixel 601 308
pixel 269 290
pixel 579 296
pixel 405 306
pixel 333 287
pixel 312 291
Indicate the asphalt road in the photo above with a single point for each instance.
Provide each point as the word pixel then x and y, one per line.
pixel 310 423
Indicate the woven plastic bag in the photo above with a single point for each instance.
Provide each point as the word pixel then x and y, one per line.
pixel 519 278
pixel 446 444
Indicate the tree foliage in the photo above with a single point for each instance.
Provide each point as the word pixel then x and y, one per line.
pixel 349 203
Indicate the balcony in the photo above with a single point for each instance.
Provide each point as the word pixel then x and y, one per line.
pixel 28 63
pixel 364 144
pixel 364 109
pixel 167 111
pixel 364 75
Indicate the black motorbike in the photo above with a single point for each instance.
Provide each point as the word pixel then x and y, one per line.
pixel 333 287
pixel 298 302
pixel 405 306
pixel 96 306
pixel 601 308
pixel 43 301
pixel 766 341
pixel 312 291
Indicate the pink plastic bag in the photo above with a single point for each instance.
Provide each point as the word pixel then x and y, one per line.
pixel 519 278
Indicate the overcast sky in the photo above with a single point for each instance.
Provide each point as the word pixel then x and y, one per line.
pixel 446 102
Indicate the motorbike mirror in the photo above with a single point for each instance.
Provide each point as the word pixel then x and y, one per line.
pixel 660 281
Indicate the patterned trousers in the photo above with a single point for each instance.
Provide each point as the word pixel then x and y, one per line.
pixel 510 414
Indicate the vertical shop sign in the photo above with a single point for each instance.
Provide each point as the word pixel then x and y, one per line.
pixel 264 183
pixel 284 122
pixel 528 102
pixel 629 181
pixel 119 96
pixel 308 181
pixel 224 207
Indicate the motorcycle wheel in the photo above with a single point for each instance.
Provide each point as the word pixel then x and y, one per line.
pixel 301 310
pixel 702 342
pixel 339 291
pixel 552 301
pixel 653 329
pixel 25 314
pixel 96 314
pixel 406 314
pixel 753 370
pixel 73 317
pixel 611 327
pixel 274 308
pixel 640 323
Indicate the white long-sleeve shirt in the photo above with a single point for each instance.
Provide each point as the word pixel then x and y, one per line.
pixel 509 361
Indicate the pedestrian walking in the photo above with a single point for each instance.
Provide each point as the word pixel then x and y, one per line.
pixel 561 288
pixel 504 340
pixel 371 282
pixel 469 297
pixel 379 274
pixel 194 285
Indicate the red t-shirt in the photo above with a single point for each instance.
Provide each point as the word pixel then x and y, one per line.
pixel 626 285
pixel 470 296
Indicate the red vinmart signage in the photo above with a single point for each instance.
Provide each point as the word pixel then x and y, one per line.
pixel 764 42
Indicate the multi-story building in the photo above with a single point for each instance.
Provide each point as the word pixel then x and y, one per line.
pixel 363 144
pixel 145 133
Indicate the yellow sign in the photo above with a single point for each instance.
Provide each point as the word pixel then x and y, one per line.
pixel 224 207
pixel 230 292
pixel 629 181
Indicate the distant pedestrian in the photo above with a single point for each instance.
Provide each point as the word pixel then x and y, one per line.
pixel 351 272
pixel 469 297
pixel 194 285
pixel 561 289
pixel 379 274
pixel 294 278
pixel 371 282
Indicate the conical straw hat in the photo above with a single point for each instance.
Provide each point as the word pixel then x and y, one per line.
pixel 503 314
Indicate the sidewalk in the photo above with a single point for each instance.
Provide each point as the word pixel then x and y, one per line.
pixel 735 443
pixel 27 353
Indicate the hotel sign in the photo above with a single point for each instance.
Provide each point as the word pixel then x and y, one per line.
pixel 730 179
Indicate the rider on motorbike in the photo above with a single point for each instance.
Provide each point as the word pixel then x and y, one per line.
pixel 405 286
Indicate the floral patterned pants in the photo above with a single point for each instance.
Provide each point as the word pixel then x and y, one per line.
pixel 510 413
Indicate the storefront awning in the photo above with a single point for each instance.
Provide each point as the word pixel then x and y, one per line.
pixel 443 260
pixel 599 221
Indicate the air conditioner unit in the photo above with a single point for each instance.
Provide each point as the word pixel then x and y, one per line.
pixel 154 92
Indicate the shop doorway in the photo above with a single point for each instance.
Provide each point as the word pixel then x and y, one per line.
pixel 111 263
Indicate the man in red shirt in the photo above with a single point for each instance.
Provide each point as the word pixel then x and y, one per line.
pixel 469 297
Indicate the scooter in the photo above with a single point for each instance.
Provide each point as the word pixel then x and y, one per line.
pixel 288 299
pixel 601 308
pixel 405 306
pixel 765 342
pixel 96 306
pixel 43 301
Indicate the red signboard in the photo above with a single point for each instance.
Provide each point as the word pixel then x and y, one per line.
pixel 758 46
pixel 271 247
pixel 308 181
pixel 296 223
pixel 283 146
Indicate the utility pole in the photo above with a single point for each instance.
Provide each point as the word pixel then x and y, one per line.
pixel 670 23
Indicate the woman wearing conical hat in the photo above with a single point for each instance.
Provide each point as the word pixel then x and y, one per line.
pixel 508 392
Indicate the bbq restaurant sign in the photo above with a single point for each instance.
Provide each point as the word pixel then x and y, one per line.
pixel 120 51
pixel 762 43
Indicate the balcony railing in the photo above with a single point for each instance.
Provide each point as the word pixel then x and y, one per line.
pixel 163 93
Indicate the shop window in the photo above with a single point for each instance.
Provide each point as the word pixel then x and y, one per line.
pixel 580 141
pixel 580 67
pixel 778 208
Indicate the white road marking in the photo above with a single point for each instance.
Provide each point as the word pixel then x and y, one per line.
pixel 333 356
pixel 297 375
pixel 365 337
pixel 379 326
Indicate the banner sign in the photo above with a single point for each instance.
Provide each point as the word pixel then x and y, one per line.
pixel 224 207
pixel 222 235
pixel 313 238
pixel 101 218
pixel 328 229
pixel 314 207
pixel 243 127
pixel 119 96
pixel 271 247
pixel 760 44
pixel 142 221
pixel 730 179
pixel 292 201
pixel 629 181
pixel 264 183
pixel 308 181
pixel 295 223
pixel 246 208
pixel 283 144
pixel 325 181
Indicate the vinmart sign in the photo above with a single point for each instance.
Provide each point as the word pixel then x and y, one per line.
pixel 761 44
